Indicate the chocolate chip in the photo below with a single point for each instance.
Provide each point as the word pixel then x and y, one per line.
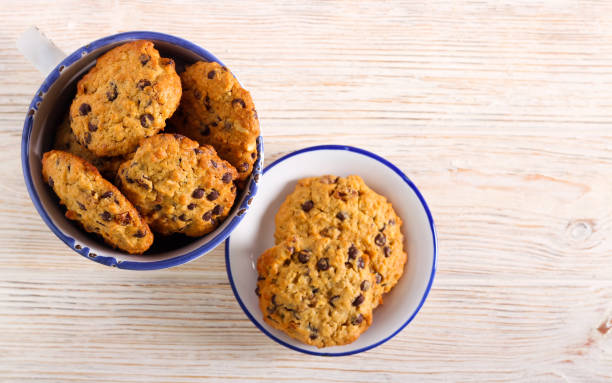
pixel 217 210
pixel 92 127
pixel 214 124
pixel 157 207
pixel 379 278
pixel 303 256
pixel 313 336
pixel 183 218
pixel 207 216
pixel 87 138
pixel 348 265
pixel 238 101
pixel 211 74
pixel 257 291
pixel 341 216
pixel 143 84
pixel 323 264
pixel 227 178
pixel 227 126
pixel 391 222
pixel 224 68
pixel 213 195
pixel 112 94
pixel 315 290
pixel 387 251
pixel 243 168
pixel 146 120
pixel 106 216
pixel 81 206
pixel 213 163
pixel 191 206
pixel 306 206
pixel 144 59
pixel 108 194
pixel 332 300
pixel 352 252
pixel 253 155
pixel 124 219
pixel 360 263
pixel 139 234
pixel 197 94
pixel 84 109
pixel 205 130
pixel 51 183
pixel 207 104
pixel 287 262
pixel 197 151
pixel 365 285
pixel 198 193
pixel 359 300
pixel 380 239
pixel 357 320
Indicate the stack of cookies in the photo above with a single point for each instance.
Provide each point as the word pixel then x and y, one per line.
pixel 121 178
pixel 339 248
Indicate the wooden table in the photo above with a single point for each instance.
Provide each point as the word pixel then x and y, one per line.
pixel 500 113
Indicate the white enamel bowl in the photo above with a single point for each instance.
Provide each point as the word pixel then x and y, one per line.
pixel 255 235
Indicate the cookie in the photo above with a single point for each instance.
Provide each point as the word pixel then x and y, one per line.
pixel 94 202
pixel 215 110
pixel 126 97
pixel 346 209
pixel 65 140
pixel 178 186
pixel 308 290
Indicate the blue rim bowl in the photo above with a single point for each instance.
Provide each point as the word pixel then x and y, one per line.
pixel 432 228
pixel 48 96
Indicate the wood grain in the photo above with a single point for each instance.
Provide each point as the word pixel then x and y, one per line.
pixel 499 111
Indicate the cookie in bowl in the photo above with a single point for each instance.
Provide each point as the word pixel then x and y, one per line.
pixel 125 97
pixel 307 289
pixel 178 185
pixel 95 203
pixel 346 209
pixel 216 110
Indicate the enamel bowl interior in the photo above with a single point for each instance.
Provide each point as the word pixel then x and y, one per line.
pixel 253 237
pixel 48 108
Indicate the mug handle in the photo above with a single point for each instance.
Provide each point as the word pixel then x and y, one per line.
pixel 39 50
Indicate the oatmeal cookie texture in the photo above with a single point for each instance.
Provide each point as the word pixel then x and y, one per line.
pixel 217 111
pixel 65 140
pixel 95 203
pixel 307 289
pixel 179 186
pixel 126 97
pixel 347 210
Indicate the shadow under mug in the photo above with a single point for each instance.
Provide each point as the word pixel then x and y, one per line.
pixel 50 104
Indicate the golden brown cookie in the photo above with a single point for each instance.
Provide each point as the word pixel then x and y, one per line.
pixel 65 140
pixel 178 186
pixel 346 209
pixel 94 202
pixel 217 111
pixel 307 289
pixel 126 97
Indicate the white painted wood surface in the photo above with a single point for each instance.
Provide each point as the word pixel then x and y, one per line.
pixel 499 111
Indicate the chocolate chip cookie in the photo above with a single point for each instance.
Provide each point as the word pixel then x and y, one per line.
pixel 217 111
pixel 178 186
pixel 126 97
pixel 347 210
pixel 309 290
pixel 95 203
pixel 65 140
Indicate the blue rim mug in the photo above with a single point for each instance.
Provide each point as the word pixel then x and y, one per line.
pixel 45 112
